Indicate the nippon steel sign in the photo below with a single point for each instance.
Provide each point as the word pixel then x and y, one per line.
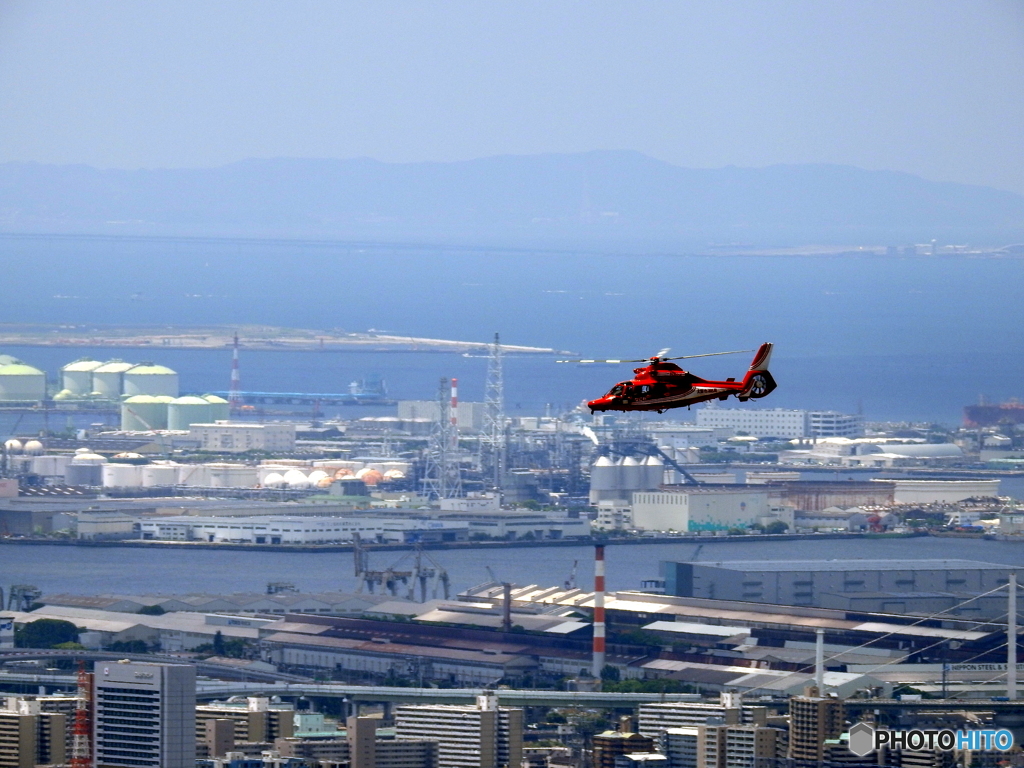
pixel 865 739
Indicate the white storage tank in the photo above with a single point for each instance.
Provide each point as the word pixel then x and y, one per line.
pixel 108 379
pixel 182 412
pixel 194 474
pixel 273 480
pixel 142 413
pixel 76 377
pixel 316 476
pixel 632 474
pixel 150 379
pixel 122 475
pixel 603 474
pixel 220 408
pixel 160 475
pixel 296 479
pixel 13 446
pixel 22 383
pixel 85 469
pixel 228 475
pixel 654 472
pixel 50 466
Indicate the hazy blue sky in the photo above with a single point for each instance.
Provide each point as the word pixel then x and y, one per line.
pixel 934 88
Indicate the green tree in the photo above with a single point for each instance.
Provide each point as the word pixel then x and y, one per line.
pixel 152 610
pixel 218 644
pixel 776 526
pixel 46 633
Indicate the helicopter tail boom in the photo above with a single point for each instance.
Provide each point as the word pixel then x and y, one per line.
pixel 758 382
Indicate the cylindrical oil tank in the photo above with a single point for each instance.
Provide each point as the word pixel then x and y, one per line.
pixel 194 474
pixel 654 472
pixel 85 469
pixel 76 377
pixel 161 475
pixel 182 412
pixel 22 383
pixel 150 379
pixel 108 379
pixel 50 466
pixel 122 475
pixel 142 413
pixel 632 474
pixel 228 475
pixel 221 409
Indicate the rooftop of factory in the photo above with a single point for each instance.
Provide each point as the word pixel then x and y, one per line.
pixel 852 565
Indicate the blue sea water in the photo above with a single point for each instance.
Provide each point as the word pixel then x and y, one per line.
pixel 898 339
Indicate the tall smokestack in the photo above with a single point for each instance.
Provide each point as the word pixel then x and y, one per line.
pixel 455 411
pixel 235 395
pixel 819 660
pixel 598 662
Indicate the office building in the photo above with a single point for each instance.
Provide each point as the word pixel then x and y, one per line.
pixel 813 720
pixel 30 736
pixel 144 715
pixel 480 736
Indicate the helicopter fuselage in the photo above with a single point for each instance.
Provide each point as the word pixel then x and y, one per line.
pixel 662 385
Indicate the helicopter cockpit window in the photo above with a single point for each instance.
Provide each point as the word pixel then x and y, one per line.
pixel 617 390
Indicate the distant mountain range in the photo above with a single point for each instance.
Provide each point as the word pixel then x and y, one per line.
pixel 607 199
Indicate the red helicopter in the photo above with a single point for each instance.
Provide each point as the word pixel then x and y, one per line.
pixel 661 384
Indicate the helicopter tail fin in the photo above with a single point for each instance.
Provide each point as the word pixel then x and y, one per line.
pixel 762 358
pixel 758 382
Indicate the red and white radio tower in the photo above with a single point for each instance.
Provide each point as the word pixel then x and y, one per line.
pixel 235 394
pixel 81 746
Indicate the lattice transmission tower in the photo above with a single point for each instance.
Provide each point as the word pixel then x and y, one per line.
pixel 493 443
pixel 443 476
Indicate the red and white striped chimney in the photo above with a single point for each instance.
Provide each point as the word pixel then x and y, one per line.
pixel 598 660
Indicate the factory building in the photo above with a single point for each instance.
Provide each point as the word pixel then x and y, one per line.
pixel 471 415
pixel 239 437
pixel 781 422
pixel 944 491
pixel 481 736
pixel 881 586
pixel 700 508
pixel 262 530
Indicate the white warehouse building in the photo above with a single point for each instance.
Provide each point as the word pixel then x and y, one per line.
pixel 699 508
pixel 781 422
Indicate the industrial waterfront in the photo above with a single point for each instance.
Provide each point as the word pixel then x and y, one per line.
pixel 86 570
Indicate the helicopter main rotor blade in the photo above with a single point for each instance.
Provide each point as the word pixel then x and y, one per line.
pixel 640 360
pixel 709 354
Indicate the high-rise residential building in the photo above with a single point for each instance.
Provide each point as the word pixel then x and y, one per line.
pixel 610 746
pixel 145 715
pixel 813 720
pixel 481 736
pixel 736 746
pixel 29 736
pixel 655 718
pixel 679 745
